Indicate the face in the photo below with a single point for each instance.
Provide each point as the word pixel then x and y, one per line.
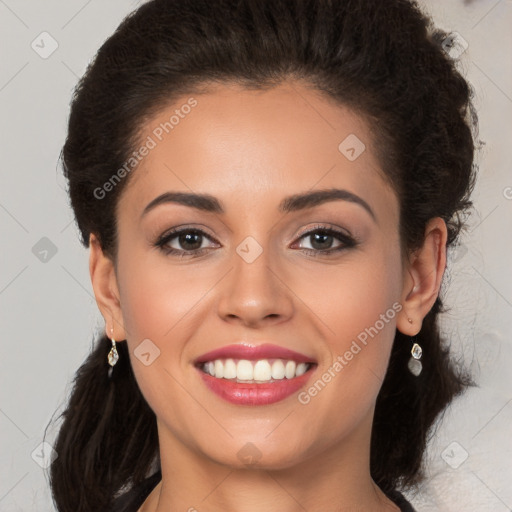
pixel 250 267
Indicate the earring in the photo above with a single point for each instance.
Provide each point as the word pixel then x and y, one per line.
pixel 414 363
pixel 113 356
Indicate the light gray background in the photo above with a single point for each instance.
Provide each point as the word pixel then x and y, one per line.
pixel 48 313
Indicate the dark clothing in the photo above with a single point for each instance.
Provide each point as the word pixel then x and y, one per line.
pixel 132 500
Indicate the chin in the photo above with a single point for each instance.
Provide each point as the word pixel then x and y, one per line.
pixel 264 455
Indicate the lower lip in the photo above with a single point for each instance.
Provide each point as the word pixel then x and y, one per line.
pixel 255 394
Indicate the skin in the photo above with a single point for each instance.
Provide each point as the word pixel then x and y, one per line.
pixel 250 149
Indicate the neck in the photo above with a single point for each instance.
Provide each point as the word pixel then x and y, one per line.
pixel 326 481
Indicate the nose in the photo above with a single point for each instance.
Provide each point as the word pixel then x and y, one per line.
pixel 254 293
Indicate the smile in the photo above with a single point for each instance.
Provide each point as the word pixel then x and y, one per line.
pixel 263 370
pixel 248 375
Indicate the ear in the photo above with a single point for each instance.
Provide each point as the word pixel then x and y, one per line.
pixel 106 291
pixel 422 278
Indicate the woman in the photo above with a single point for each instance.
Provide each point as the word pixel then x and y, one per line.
pixel 268 190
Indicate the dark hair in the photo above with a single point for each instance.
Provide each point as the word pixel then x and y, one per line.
pixel 386 61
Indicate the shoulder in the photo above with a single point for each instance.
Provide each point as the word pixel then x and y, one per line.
pixel 133 499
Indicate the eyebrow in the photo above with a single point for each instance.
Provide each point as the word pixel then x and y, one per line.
pixel 209 203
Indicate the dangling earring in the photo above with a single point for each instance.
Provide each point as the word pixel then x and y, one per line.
pixel 414 363
pixel 113 356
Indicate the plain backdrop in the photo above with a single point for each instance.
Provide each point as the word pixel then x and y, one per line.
pixel 48 313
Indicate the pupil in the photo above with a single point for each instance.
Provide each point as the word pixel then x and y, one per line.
pixel 187 239
pixel 322 236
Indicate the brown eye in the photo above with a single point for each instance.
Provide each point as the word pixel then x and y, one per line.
pixel 190 240
pixel 321 240
pixel 186 241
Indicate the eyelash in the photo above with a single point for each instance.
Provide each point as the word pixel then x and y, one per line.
pixel 347 241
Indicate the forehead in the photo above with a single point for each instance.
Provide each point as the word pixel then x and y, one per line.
pixel 255 144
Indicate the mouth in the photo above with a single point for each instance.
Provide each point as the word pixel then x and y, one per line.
pixel 248 375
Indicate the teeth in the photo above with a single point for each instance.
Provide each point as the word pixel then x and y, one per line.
pixel 260 371
pixel 301 369
pixel 229 369
pixel 219 368
pixel 244 370
pixel 278 370
pixel 289 371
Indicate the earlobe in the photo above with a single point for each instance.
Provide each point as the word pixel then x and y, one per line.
pixel 423 277
pixel 106 292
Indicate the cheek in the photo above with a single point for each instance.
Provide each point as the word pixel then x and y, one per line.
pixel 358 306
pixel 352 296
pixel 155 304
pixel 156 297
pixel 165 304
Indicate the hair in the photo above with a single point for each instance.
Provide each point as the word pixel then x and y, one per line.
pixel 384 60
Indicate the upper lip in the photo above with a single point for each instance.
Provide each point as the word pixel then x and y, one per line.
pixel 253 353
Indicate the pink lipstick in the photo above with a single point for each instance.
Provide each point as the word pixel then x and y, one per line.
pixel 254 375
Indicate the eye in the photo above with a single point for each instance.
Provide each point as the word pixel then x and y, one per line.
pixel 321 239
pixel 189 242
